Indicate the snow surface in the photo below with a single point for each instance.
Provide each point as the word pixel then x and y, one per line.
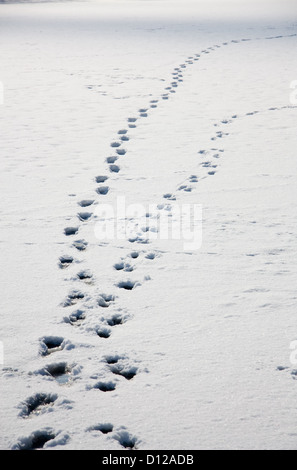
pixel 197 354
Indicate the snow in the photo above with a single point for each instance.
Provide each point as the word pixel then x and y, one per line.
pixel 113 344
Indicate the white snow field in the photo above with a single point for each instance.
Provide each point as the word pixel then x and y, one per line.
pixel 142 343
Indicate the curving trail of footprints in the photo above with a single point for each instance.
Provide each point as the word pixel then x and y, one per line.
pixel 80 316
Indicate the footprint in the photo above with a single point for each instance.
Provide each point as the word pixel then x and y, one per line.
pixel 127 285
pixel 111 159
pixel 105 300
pixel 84 216
pixel 60 371
pixel 132 119
pixel 80 245
pixel 134 254
pixel 70 231
pixel 121 152
pixel 101 179
pixel 211 173
pixel 86 202
pixel 126 440
pixel 151 256
pixel 169 196
pixel 102 190
pixel 114 168
pixel 65 261
pixel 193 179
pixel 75 318
pixel 127 372
pixel 115 144
pixel 104 428
pixel 115 320
pixel 85 276
pixel 36 440
pixel 105 386
pixel 125 138
pixel 122 132
pixel 51 344
pixel 36 404
pixel 103 333
pixel 122 266
pixel 73 298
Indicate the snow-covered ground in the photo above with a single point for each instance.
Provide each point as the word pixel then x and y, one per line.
pixel 197 354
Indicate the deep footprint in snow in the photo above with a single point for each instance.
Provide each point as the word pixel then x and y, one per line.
pixel 65 261
pixel 60 371
pixel 86 202
pixel 101 179
pixel 37 404
pixel 105 300
pixel 126 440
pixel 121 152
pixel 114 168
pixel 127 372
pixel 75 318
pixel 111 160
pixel 69 231
pixel 51 344
pixel 169 196
pixel 73 298
pixel 104 428
pixel 36 440
pixel 80 245
pixel 103 190
pixel 85 276
pixel 84 216
pixel 103 332
pixel 105 386
pixel 122 266
pixel 122 132
pixel 115 320
pixel 128 285
pixel 115 144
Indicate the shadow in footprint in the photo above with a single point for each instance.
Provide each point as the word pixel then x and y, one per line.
pixel 104 428
pixel 60 371
pixel 126 440
pixel 127 285
pixel 73 298
pixel 103 333
pixel 102 190
pixel 84 216
pixel 127 373
pixel 80 245
pixel 70 231
pixel 86 202
pixel 65 261
pixel 105 386
pixel 37 403
pixel 101 179
pixel 51 344
pixel 36 440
